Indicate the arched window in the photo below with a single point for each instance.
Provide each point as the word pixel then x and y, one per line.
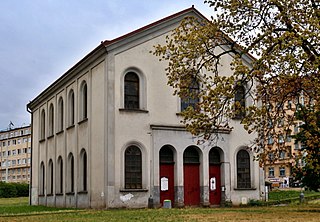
pixel 193 98
pixel 166 155
pixel 84 101
pixel 84 170
pixel 214 157
pixel 71 108
pixel 70 180
pixel 60 175
pixel 191 155
pixel 240 101
pixel 51 120
pixel 133 168
pixel 131 91
pixel 60 114
pixel 50 173
pixel 43 125
pixel 42 179
pixel 243 169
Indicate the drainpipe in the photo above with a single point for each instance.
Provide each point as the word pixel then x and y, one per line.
pixel 30 181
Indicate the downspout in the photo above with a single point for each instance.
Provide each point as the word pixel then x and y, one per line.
pixel 30 182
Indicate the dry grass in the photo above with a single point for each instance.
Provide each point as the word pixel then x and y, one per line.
pixel 299 213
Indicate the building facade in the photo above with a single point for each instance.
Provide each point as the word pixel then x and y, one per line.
pixel 107 134
pixel 15 154
pixel 284 151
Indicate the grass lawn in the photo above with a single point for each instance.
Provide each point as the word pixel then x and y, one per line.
pixel 17 209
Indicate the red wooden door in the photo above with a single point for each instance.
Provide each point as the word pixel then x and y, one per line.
pixel 214 184
pixel 191 184
pixel 166 182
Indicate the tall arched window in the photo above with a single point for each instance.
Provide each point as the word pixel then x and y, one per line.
pixel 243 169
pixel 84 101
pixel 133 168
pixel 84 170
pixel 60 114
pixel 240 101
pixel 42 179
pixel 60 175
pixel 51 119
pixel 50 173
pixel 70 180
pixel 193 98
pixel 43 125
pixel 131 91
pixel 71 108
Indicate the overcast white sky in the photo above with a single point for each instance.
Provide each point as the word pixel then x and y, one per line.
pixel 41 39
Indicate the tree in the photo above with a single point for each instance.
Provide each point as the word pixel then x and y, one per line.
pixel 284 36
pixel 307 166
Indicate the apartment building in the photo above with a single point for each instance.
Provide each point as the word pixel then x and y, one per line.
pixel 283 149
pixel 15 154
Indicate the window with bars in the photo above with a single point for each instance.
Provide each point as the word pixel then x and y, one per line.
pixel 166 155
pixel 193 98
pixel 243 169
pixel 240 101
pixel 191 155
pixel 133 168
pixel 131 91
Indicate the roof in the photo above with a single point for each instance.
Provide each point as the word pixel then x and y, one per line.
pixel 151 25
pixel 102 48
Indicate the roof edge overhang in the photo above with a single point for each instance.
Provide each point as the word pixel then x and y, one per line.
pixel 69 74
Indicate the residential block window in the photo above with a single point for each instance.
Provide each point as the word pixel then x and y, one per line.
pixel 271 171
pixel 133 168
pixel 282 171
pixel 243 169
pixel 193 99
pixel 131 91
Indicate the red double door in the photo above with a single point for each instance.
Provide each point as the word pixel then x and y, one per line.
pixel 214 184
pixel 191 179
pixel 167 182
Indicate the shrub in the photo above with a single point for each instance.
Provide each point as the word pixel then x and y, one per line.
pixel 8 190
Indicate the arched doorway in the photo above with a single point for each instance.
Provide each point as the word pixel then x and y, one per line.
pixel 191 175
pixel 166 174
pixel 214 177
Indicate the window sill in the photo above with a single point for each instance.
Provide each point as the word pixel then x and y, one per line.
pixel 134 110
pixel 83 192
pixel 61 131
pixel 59 194
pixel 42 140
pixel 133 190
pixel 70 127
pixel 70 193
pixel 51 136
pixel 41 195
pixel 83 121
pixel 50 195
pixel 253 188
